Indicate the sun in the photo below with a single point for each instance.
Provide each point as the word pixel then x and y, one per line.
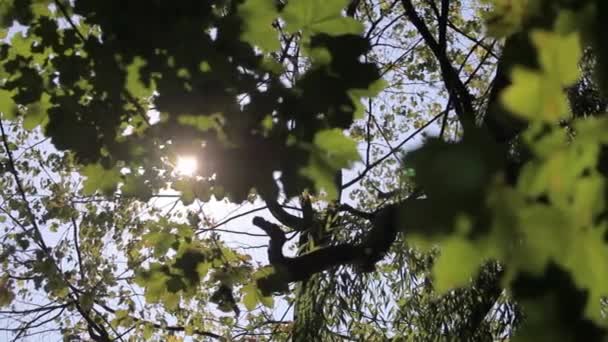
pixel 186 165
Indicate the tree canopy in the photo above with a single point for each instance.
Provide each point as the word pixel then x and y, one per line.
pixel 410 169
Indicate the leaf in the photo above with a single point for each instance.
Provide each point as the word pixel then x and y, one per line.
pixel 202 269
pixel 6 293
pixel 154 283
pixel 121 319
pixel 356 95
pixel 186 188
pixel 559 55
pixel 7 106
pixel 21 43
pixel 458 262
pixel 586 259
pixel 536 223
pixel 135 186
pixel 99 178
pixel 331 152
pixel 37 113
pixel 340 150
pixel 505 17
pixel 148 331
pixel 201 122
pixel 257 16
pixel 171 300
pixel 319 16
pixel 133 82
pixel 588 200
pixel 120 314
pixel 159 241
pixel 252 296
pixel 534 97
pixel 173 338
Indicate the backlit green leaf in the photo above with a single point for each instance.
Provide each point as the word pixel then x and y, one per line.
pixel 332 151
pixel 559 55
pixel 257 16
pixel 320 16
pixel 99 178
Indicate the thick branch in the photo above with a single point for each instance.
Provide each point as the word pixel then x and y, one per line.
pixel 286 219
pixel 354 211
pixel 351 10
pixel 385 226
pixel 462 98
pixel 443 23
pixel 498 121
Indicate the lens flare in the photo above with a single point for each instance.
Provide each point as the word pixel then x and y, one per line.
pixel 186 165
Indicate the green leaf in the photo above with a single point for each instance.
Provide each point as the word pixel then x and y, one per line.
pixel 252 296
pixel 120 314
pixel 133 82
pixel 505 17
pixel 7 106
pixel 148 331
pixel 135 186
pixel 585 260
pixel 339 149
pixel 186 188
pixel 459 258
pixel 356 95
pixel 201 122
pixel 202 269
pixel 155 284
pixel 319 16
pixel 534 96
pixel 559 55
pixel 257 16
pixel 272 65
pixel 539 95
pixel 457 263
pixel 99 178
pixel 160 242
pixel 21 44
pixel 6 293
pixel 535 224
pixel 36 113
pixel 171 300
pixel 331 152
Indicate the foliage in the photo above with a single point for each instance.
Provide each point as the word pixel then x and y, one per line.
pixel 492 225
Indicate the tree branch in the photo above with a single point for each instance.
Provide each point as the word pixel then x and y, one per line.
pixel 462 98
pixel 286 219
pixel 443 24
pixel 385 226
pixel 354 211
pixel 166 328
pixel 390 153
pixel 351 10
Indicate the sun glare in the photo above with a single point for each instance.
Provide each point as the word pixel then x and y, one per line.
pixel 186 165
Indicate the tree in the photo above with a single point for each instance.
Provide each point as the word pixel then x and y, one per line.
pixel 275 97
